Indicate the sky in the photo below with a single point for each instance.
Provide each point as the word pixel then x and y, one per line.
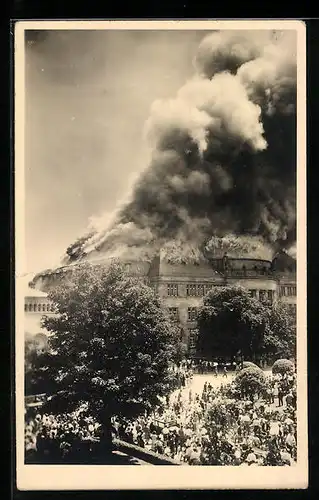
pixel 87 97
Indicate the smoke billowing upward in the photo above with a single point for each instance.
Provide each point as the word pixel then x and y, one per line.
pixel 223 155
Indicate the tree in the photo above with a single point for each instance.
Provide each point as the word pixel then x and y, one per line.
pixel 111 346
pixel 34 346
pixel 283 366
pixel 280 336
pixel 251 381
pixel 230 322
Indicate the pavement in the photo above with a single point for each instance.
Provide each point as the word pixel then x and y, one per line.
pixel 196 385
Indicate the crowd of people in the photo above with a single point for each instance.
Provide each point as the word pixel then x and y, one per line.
pixel 55 437
pixel 211 427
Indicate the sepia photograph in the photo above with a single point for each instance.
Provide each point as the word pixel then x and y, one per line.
pixel 160 180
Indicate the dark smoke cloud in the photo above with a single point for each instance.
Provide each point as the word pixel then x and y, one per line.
pixel 224 160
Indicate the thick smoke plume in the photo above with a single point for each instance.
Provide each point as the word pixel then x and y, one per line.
pixel 223 156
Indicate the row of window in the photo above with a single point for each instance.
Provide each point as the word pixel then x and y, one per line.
pixel 203 289
pixel 288 291
pixel 263 295
pixel 197 290
pixel 38 307
pixel 191 290
pixel 193 333
pixel 191 313
pixel 172 290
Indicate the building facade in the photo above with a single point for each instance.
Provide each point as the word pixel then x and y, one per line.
pixel 36 305
pixel 182 286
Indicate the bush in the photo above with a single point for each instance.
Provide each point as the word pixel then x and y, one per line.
pixel 251 381
pixel 283 366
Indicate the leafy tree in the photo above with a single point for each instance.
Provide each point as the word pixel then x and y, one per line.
pixel 251 381
pixel 280 336
pixel 34 346
pixel 230 322
pixel 283 366
pixel 111 346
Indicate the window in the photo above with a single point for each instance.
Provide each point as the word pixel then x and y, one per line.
pixel 172 290
pixel 253 293
pixel 291 291
pixel 192 340
pixel 30 307
pixel 52 307
pixel 25 307
pixel 48 307
pixel 292 309
pixel 127 268
pixel 191 290
pixel 34 307
pixel 173 312
pixel 192 313
pixel 262 295
pixel 39 307
pixel 197 290
pixel 43 307
pixel 270 295
pixel 288 291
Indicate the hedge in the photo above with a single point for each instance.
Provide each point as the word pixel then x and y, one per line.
pixel 283 366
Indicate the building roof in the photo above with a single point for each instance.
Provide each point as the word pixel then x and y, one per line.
pixel 27 290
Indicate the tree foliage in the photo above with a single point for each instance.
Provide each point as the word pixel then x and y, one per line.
pixel 280 336
pixel 232 322
pixel 251 381
pixel 34 346
pixel 111 344
pixel 283 366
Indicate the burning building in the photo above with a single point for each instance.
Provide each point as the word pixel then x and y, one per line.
pixel 181 282
pixel 216 204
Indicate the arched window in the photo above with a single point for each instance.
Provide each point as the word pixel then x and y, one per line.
pixel 30 307
pixel 48 307
pixel 39 307
pixel 34 307
pixel 43 307
pixel 25 307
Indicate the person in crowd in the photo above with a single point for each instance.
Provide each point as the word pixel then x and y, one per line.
pixel 183 429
